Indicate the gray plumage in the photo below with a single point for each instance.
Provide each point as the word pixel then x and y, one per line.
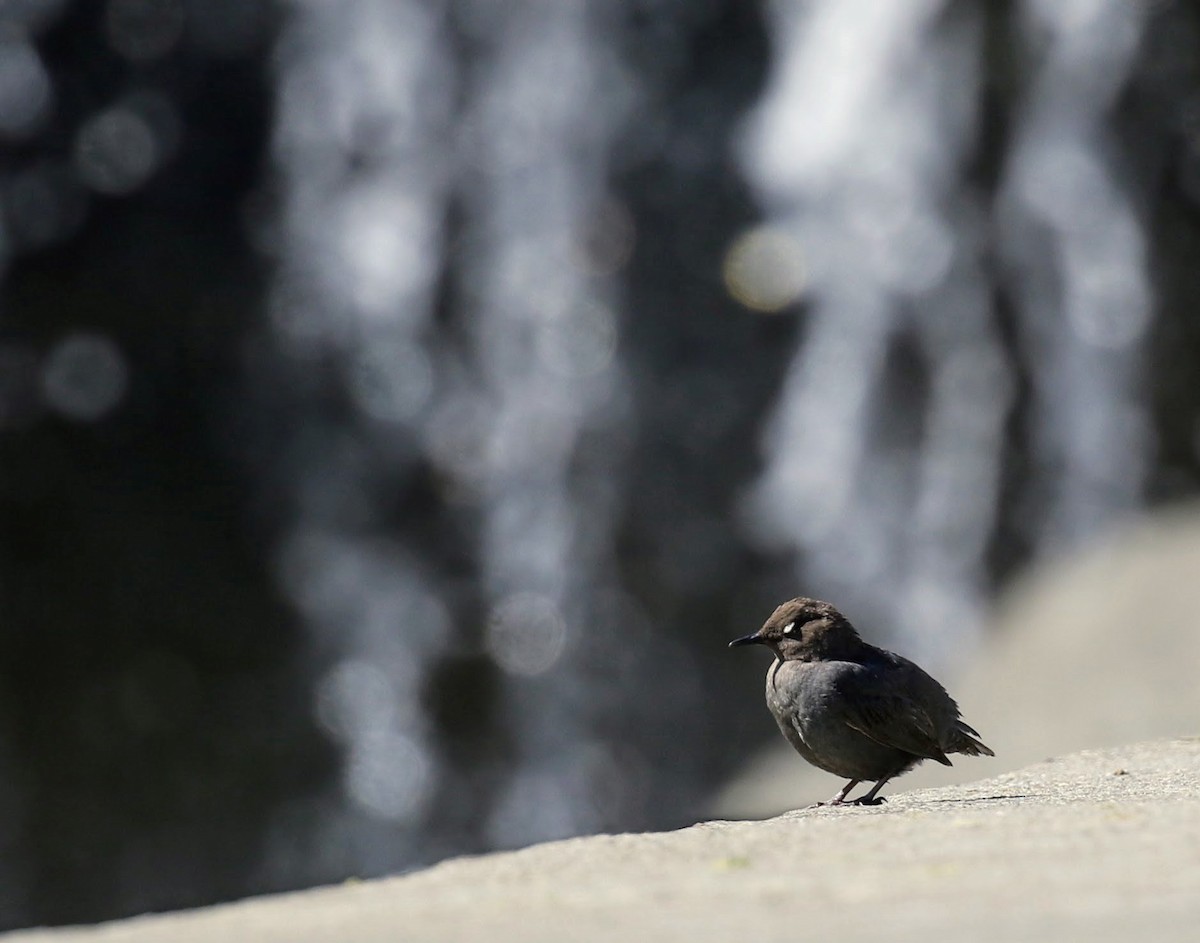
pixel 851 709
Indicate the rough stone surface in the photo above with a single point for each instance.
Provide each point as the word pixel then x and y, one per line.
pixel 1100 845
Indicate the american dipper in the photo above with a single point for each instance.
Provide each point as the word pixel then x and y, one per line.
pixel 850 708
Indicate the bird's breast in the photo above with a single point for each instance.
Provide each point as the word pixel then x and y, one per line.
pixel 798 688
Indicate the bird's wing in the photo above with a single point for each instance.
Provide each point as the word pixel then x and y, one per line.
pixel 877 707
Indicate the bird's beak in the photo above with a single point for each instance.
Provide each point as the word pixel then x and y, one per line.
pixel 752 639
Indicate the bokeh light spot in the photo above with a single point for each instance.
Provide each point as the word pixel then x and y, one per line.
pixel 526 634
pixel 388 776
pixel 25 90
pixel 579 342
pixel 116 151
pixel 764 269
pixel 355 697
pixel 1108 307
pixel 391 381
pixel 385 239
pixel 85 376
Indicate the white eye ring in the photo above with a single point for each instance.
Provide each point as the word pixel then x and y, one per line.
pixel 789 628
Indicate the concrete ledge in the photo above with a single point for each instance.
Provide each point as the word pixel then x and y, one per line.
pixel 1100 845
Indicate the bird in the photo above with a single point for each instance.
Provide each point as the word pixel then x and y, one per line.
pixel 860 712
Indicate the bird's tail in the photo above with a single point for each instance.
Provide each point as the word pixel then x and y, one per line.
pixel 965 739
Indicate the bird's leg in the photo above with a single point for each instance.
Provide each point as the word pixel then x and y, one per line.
pixel 870 798
pixel 840 798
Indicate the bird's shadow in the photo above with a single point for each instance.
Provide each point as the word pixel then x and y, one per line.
pixel 968 800
pixel 971 799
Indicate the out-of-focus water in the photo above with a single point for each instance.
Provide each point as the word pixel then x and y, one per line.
pixel 365 91
pixel 859 151
pixel 403 163
pixel 1075 262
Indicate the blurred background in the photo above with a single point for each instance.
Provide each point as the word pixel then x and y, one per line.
pixel 402 402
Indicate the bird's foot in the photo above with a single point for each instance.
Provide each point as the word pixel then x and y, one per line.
pixel 863 800
pixel 836 800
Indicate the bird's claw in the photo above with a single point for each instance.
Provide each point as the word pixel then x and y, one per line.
pixel 836 800
pixel 878 800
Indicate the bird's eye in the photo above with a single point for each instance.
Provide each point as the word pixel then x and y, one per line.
pixel 789 628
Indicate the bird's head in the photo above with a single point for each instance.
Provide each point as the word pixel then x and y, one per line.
pixel 804 629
